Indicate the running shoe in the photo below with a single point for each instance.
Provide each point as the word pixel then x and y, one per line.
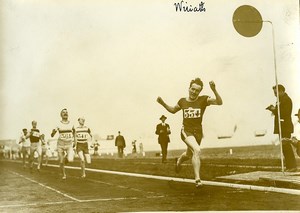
pixel 198 183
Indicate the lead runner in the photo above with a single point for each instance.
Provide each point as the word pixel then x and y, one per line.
pixel 193 108
pixel 65 141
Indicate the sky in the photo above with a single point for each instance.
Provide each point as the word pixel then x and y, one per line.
pixel 108 61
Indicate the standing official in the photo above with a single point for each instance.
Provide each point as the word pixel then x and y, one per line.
pixel 120 143
pixel 163 132
pixel 287 128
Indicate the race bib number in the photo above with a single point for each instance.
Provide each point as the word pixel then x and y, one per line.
pixel 66 135
pixel 192 113
pixel 36 134
pixel 81 136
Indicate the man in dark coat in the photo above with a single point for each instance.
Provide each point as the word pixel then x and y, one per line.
pixel 287 128
pixel 163 131
pixel 120 143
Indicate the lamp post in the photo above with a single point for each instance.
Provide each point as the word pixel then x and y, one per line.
pixel 248 22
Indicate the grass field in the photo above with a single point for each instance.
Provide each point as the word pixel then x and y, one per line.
pixel 215 161
pixel 243 152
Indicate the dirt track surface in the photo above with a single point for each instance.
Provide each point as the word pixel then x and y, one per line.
pixel 44 191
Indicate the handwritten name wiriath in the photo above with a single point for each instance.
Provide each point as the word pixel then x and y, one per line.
pixel 184 6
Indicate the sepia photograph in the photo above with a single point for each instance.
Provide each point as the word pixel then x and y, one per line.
pixel 150 106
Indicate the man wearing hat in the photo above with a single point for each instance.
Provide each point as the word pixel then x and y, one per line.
pixel 287 128
pixel 120 143
pixel 163 131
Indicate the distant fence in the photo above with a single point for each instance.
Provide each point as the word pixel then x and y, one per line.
pixel 7 142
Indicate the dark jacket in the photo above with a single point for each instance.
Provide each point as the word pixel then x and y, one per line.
pixel 286 107
pixel 163 133
pixel 120 141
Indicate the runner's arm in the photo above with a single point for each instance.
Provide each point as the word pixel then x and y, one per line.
pixel 21 139
pixel 90 133
pixel 53 132
pixel 169 108
pixel 74 136
pixel 217 100
pixel 28 135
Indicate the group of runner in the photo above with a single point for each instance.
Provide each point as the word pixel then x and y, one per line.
pixel 193 108
pixel 69 138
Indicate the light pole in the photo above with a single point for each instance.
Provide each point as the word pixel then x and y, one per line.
pixel 248 22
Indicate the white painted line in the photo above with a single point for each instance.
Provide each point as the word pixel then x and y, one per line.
pixel 121 198
pixel 210 183
pixel 115 185
pixel 35 204
pixel 189 164
pixel 47 187
pixel 185 180
pixel 81 201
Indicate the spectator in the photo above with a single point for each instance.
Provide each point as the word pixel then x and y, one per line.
pixel 141 146
pixel 96 148
pixel 134 147
pixel 120 143
pixel 163 132
pixel 287 128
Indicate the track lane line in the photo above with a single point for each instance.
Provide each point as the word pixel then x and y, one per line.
pixel 36 204
pixel 185 180
pixel 47 187
pixel 81 201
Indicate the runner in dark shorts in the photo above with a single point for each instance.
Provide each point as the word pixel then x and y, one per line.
pixel 193 108
pixel 35 145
